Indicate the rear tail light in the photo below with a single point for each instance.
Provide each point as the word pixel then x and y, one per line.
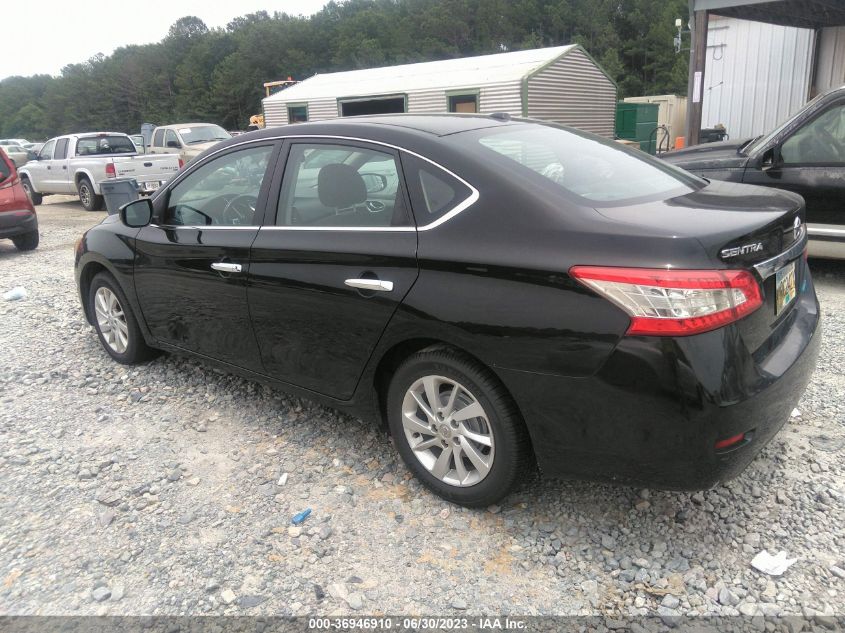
pixel 674 302
pixel 181 163
pixel 110 172
pixel 729 442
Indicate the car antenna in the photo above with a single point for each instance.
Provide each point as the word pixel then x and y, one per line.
pixel 501 116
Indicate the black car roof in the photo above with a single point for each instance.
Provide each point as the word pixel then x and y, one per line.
pixel 387 126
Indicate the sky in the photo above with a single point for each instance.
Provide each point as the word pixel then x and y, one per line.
pixel 43 37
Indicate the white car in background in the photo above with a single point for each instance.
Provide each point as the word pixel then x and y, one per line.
pixel 18 154
pixel 189 140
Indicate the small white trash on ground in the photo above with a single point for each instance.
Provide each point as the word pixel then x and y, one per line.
pixel 772 565
pixel 15 294
pixel 795 413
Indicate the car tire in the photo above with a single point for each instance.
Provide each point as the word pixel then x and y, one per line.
pixel 35 198
pixel 115 323
pixel 492 463
pixel 90 200
pixel 27 241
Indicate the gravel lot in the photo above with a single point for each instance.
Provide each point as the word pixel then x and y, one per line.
pixel 156 490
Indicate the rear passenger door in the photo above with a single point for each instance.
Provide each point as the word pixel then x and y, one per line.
pixel 334 259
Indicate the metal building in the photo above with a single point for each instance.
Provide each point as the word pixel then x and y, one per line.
pixel 754 62
pixel 561 84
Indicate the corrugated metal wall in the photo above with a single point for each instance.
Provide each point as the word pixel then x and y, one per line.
pixel 756 75
pixel 574 91
pixel 830 67
pixel 503 97
pixel 276 112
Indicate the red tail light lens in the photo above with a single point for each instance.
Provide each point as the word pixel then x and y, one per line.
pixel 110 172
pixel 729 441
pixel 674 302
pixel 181 163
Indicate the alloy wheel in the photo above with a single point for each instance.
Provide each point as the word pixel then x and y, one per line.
pixel 448 430
pixel 84 195
pixel 111 320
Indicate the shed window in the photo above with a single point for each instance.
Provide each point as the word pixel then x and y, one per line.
pixel 377 105
pixel 463 103
pixel 297 113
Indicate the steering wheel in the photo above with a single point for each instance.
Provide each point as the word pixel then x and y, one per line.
pixel 240 210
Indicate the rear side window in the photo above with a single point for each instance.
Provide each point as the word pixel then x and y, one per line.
pixel 597 172
pixel 434 192
pixel 103 145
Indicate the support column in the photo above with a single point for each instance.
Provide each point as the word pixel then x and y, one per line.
pixel 695 89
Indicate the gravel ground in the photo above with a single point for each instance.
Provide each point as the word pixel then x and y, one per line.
pixel 161 489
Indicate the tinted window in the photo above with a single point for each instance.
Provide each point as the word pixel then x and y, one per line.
pixel 584 165
pixel 341 186
pixel 822 140
pixel 102 145
pixel 158 138
pixel 61 149
pixel 223 192
pixel 46 152
pixel 433 191
pixel 5 170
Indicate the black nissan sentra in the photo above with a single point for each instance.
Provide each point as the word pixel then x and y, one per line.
pixel 498 292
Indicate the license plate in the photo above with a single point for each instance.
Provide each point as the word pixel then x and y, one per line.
pixel 784 287
pixel 152 185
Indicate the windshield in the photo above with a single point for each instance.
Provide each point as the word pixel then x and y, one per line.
pixel 203 134
pixel 105 144
pixel 761 141
pixel 597 171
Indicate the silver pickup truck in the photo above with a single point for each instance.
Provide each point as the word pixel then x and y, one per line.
pixel 79 163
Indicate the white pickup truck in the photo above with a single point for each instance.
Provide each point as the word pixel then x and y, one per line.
pixel 79 163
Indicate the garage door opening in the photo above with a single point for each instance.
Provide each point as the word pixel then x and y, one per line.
pixel 379 105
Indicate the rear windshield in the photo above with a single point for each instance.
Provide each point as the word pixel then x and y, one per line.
pixel 100 145
pixel 594 170
pixel 203 134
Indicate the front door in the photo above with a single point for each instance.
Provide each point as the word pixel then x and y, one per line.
pixel 192 264
pixel 335 258
pixel 812 163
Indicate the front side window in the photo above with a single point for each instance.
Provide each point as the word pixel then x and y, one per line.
pixel 105 144
pixel 597 172
pixel 61 149
pixel 822 140
pixel 171 140
pixel 341 186
pixel 222 192
pixel 46 152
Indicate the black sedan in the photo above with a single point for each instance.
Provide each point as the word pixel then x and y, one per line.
pixel 495 291
pixel 806 154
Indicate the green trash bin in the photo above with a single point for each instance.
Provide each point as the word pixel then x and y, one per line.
pixel 118 192
pixel 637 122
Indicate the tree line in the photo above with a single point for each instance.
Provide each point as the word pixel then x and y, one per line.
pixel 216 75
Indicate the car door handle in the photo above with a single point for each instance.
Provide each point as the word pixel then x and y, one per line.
pixel 227 267
pixel 370 284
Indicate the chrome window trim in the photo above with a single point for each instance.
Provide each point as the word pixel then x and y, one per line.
pixel 768 267
pixel 460 207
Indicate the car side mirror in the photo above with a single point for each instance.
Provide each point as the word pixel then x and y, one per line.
pixel 173 144
pixel 137 214
pixel 771 159
pixel 375 182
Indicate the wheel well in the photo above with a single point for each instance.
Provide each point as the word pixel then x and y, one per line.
pixel 85 278
pixel 397 354
pixel 78 178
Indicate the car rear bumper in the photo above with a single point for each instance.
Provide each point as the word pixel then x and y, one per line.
pixel 653 414
pixel 14 223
